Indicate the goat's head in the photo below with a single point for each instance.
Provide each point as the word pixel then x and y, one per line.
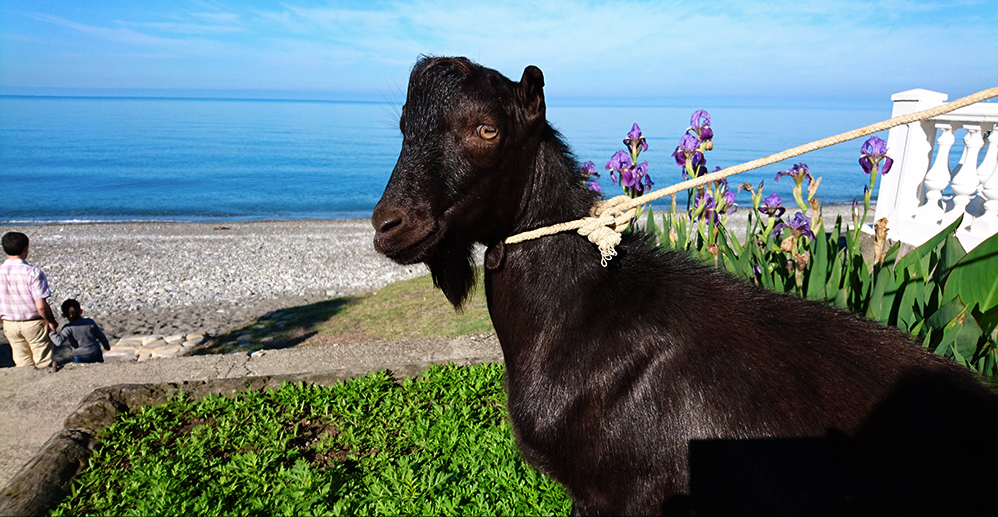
pixel 469 139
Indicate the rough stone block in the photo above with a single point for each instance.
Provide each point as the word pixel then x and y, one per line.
pixel 129 342
pixel 168 351
pixel 175 339
pixel 119 354
pixel 153 345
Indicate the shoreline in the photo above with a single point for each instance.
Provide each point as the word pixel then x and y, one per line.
pixel 223 221
pixel 181 277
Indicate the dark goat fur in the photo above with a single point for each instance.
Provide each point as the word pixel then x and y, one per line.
pixel 656 384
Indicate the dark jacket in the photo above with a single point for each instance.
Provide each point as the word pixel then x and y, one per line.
pixel 83 336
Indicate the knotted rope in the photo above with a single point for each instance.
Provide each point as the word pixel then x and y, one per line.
pixel 607 219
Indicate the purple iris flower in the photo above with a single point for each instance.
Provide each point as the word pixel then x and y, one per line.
pixel 699 119
pixel 688 146
pixel 619 161
pixel 799 225
pixel 634 177
pixel 645 183
pixel 706 201
pixel 626 176
pixel 798 172
pixel 635 140
pixel 730 206
pixel 873 150
pixel 772 205
pixel 712 209
pixel 726 202
pixel 590 175
pixel 700 124
pixel 689 150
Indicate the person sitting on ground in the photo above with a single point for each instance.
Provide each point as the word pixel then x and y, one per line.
pixel 24 307
pixel 83 335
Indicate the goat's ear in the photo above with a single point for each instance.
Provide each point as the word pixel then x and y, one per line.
pixel 531 93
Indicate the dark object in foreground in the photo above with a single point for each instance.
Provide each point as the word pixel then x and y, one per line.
pixel 659 385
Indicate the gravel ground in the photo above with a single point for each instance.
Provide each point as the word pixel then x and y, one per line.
pixel 142 278
pixel 173 278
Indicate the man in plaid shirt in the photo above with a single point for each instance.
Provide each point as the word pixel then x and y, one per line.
pixel 24 308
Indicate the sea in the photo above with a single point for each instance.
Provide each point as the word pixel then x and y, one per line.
pixel 116 159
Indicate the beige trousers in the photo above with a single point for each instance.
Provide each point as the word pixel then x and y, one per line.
pixel 29 342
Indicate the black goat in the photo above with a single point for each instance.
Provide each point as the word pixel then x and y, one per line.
pixel 656 384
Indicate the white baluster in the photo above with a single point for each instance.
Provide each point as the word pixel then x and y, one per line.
pixel 984 170
pixel 987 224
pixel 937 178
pixel 965 182
pixel 990 163
pixel 963 155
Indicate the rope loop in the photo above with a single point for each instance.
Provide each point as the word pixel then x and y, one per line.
pixel 604 225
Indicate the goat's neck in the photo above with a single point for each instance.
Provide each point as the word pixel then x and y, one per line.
pixel 553 190
pixel 538 281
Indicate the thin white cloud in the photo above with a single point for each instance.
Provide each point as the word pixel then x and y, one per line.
pixel 122 35
pixel 591 48
pixel 183 28
pixel 221 18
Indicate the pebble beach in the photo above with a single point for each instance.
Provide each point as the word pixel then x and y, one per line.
pixel 209 278
pixel 179 278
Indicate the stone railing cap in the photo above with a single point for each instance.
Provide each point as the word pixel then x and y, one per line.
pixel 920 95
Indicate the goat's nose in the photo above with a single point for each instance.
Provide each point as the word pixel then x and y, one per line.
pixel 384 221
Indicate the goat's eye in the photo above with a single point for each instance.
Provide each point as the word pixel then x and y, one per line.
pixel 487 131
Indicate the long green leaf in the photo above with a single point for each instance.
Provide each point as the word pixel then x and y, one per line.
pixel 937 322
pixel 926 248
pixel 879 305
pixel 948 257
pixel 650 226
pixel 975 277
pixel 961 337
pixel 904 310
pixel 818 274
pixel 834 285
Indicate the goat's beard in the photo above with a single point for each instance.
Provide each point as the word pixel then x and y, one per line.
pixel 453 272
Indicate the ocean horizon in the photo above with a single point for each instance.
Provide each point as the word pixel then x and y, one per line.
pixel 77 159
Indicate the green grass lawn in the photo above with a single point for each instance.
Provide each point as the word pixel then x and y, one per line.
pixel 408 309
pixel 435 445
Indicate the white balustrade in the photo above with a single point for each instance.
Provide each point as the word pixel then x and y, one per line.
pixel 921 195
pixel 937 178
pixel 987 224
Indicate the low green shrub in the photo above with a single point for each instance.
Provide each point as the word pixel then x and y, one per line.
pixel 435 445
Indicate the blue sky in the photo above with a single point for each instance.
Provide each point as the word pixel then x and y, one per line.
pixel 626 49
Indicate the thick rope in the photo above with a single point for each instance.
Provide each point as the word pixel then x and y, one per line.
pixel 603 226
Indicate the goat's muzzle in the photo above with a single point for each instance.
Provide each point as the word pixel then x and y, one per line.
pixel 402 235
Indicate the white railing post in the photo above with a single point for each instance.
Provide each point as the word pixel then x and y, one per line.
pixel 965 181
pixel 990 163
pixel 900 191
pixel 938 177
pixel 987 223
